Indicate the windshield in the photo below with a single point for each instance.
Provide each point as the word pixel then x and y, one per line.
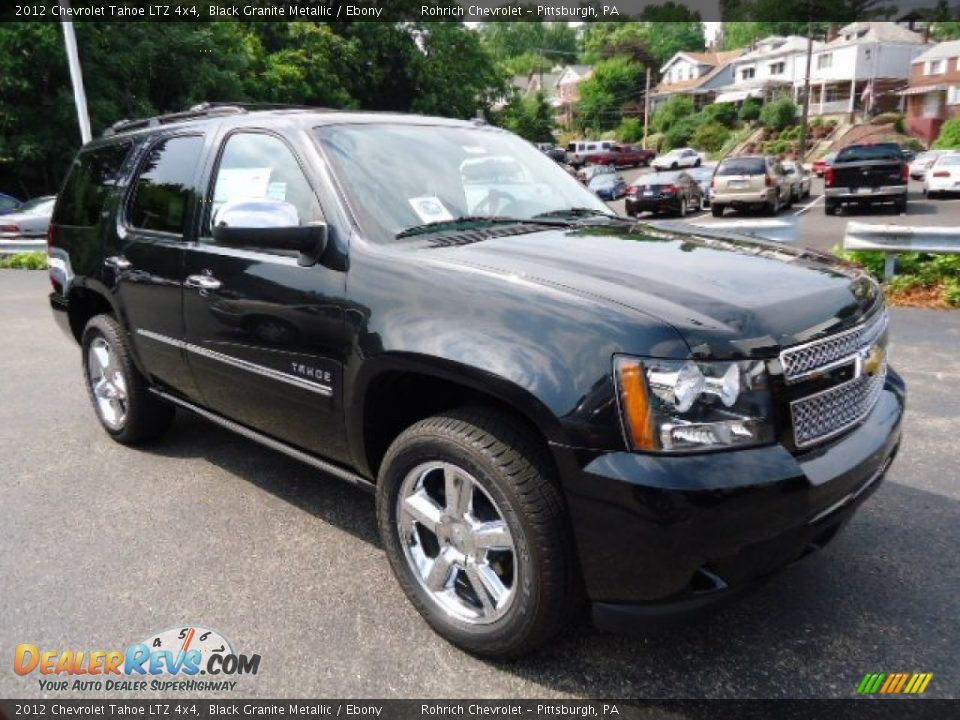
pixel 401 176
pixel 857 153
pixel 948 160
pixel 742 166
pixel 39 206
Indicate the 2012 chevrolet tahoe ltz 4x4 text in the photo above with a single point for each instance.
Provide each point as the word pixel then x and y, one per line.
pixel 553 404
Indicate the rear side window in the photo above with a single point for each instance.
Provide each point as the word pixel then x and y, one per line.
pixel 162 190
pixel 742 166
pixel 858 153
pixel 92 175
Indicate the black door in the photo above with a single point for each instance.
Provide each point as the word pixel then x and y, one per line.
pixel 265 336
pixel 147 258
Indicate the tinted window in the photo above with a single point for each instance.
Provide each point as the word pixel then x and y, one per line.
pixel 857 153
pixel 92 174
pixel 742 166
pixel 162 189
pixel 254 165
pixel 7 203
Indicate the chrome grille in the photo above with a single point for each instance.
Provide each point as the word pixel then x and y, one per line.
pixel 830 412
pixel 801 361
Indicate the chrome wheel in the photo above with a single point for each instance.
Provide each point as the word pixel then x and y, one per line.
pixel 456 542
pixel 107 383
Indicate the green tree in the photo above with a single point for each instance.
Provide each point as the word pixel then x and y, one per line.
pixel 750 109
pixel 723 113
pixel 949 137
pixel 946 29
pixel 779 113
pixel 524 47
pixel 649 43
pixel 670 111
pixel 529 117
pixel 614 83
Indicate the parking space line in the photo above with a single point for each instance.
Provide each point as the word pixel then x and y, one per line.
pixel 809 205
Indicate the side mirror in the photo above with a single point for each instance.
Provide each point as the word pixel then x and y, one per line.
pixel 266 223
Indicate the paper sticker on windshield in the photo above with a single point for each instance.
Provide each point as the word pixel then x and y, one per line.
pixel 430 209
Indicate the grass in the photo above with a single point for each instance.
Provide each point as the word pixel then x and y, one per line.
pixel 24 261
pixel 923 279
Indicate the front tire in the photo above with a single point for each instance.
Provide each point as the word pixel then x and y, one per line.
pixel 476 532
pixel 118 391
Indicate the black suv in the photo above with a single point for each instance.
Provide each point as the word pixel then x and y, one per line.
pixel 552 403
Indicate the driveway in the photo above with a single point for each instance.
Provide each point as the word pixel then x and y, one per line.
pixel 102 545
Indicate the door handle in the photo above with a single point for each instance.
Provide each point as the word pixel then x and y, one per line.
pixel 203 282
pixel 117 262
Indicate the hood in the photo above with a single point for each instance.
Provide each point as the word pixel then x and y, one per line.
pixel 728 296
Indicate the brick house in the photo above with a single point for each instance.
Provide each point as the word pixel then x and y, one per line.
pixel 934 92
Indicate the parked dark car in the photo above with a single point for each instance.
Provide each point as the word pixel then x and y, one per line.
pixel 551 403
pixel 674 192
pixel 557 154
pixel 8 204
pixel 704 178
pixel 867 175
pixel 608 187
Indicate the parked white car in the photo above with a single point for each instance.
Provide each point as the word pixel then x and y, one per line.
pixel 943 176
pixel 677 158
pixel 30 221
pixel 922 163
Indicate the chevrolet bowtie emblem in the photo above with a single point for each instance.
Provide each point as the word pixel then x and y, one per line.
pixel 869 361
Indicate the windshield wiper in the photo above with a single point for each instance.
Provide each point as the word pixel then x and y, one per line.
pixel 577 212
pixel 458 222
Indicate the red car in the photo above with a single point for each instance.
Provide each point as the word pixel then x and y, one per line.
pixel 821 165
pixel 624 156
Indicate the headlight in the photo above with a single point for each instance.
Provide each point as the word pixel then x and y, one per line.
pixel 687 406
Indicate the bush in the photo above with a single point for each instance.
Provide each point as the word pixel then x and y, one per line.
pixel 709 136
pixel 670 112
pixel 791 133
pixel 869 260
pixel 949 137
pixel 779 114
pixel 750 110
pixel 680 133
pixel 630 130
pixel 951 293
pixel 25 261
pixel 723 113
pixel 777 147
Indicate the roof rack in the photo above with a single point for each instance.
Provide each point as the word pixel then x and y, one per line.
pixel 203 110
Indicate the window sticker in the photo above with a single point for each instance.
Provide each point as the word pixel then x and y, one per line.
pixel 429 209
pixel 233 183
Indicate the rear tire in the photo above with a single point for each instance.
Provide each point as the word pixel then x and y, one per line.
pixel 829 208
pixel 716 210
pixel 118 391
pixel 900 206
pixel 501 476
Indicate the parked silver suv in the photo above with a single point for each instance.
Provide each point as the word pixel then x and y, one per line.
pixel 751 181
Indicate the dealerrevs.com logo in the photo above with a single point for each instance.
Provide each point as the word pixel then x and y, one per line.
pixel 184 659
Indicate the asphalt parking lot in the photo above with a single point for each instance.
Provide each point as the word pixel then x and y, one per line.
pixel 102 545
pixel 806 223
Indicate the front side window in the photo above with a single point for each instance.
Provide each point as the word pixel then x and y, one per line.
pixel 92 175
pixel 161 193
pixel 255 166
pixel 399 176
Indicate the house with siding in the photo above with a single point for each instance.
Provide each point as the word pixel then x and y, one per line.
pixel 771 66
pixel 933 95
pixel 863 69
pixel 697 74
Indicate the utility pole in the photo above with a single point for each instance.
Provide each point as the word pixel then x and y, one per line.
pixel 76 75
pixel 806 96
pixel 646 109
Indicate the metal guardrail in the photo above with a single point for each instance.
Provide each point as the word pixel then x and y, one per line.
pixel 11 247
pixel 893 239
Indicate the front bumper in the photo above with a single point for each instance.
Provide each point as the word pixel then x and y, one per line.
pixel 660 537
